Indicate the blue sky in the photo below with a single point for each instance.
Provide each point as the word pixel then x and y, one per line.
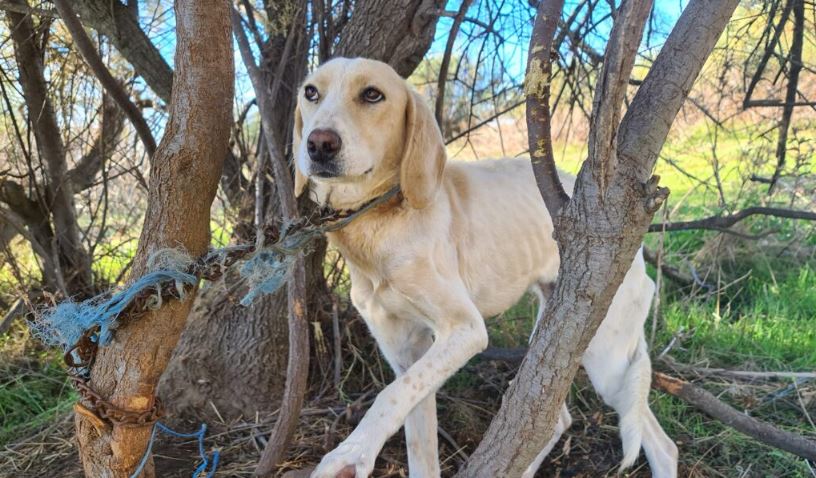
pixel 515 33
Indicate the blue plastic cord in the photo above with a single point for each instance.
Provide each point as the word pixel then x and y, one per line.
pixel 199 435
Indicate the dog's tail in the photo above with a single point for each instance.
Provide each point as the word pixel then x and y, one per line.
pixel 634 403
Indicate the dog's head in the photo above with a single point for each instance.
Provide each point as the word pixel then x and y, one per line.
pixel 359 126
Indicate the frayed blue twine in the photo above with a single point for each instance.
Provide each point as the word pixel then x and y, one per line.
pixel 199 435
pixel 65 324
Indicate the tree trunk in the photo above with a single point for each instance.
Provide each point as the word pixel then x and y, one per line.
pixel 601 227
pixel 183 181
pixel 71 257
pixel 232 358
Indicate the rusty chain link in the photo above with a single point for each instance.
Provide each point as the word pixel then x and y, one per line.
pixel 105 410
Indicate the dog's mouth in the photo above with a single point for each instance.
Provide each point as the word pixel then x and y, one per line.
pixel 331 172
pixel 325 171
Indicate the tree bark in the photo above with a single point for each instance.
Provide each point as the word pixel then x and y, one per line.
pixel 183 181
pixel 71 257
pixel 396 32
pixel 601 227
pixel 216 364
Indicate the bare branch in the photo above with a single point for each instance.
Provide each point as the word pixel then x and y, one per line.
pixel 112 87
pixel 795 60
pixel 537 88
pixel 115 20
pixel 719 223
pixel 446 58
pixel 84 173
pixel 297 369
pixel 619 59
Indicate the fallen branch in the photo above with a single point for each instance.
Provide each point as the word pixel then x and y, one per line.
pixel 719 223
pixel 742 374
pixel 709 404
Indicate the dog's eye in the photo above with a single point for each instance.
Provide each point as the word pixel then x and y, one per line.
pixel 372 95
pixel 311 93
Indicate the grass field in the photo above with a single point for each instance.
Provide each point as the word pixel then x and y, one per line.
pixel 760 315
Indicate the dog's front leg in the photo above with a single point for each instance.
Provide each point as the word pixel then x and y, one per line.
pixel 460 334
pixel 404 341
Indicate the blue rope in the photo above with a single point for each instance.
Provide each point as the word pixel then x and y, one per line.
pixel 65 324
pixel 199 435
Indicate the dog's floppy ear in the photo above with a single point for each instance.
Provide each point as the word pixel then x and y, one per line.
pixel 301 181
pixel 423 158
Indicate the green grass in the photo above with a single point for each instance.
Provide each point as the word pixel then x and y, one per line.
pixel 769 324
pixel 34 390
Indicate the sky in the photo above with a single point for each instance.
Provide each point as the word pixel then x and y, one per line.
pixel 514 30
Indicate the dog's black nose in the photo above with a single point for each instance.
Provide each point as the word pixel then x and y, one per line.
pixel 323 145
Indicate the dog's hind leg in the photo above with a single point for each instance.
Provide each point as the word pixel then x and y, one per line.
pixel 564 422
pixel 618 365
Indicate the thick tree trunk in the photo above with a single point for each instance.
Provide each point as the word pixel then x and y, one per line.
pixel 601 227
pixel 183 181
pixel 232 358
pixel 65 244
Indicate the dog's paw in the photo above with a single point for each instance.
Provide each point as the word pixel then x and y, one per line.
pixel 349 460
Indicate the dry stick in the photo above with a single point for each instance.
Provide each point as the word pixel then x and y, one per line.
pixel 790 94
pixel 718 223
pixel 443 68
pixel 297 369
pixel 750 426
pixel 88 51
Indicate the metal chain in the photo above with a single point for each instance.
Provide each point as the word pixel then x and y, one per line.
pixel 105 410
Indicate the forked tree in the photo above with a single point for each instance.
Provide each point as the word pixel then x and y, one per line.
pixel 601 227
pixel 183 180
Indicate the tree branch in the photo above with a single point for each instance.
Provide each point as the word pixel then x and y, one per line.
pixel 446 58
pixel 297 369
pixel 719 223
pixel 761 431
pixel 183 182
pixel 116 21
pixel 537 89
pixel 619 59
pixel 112 87
pixel 601 227
pixel 83 175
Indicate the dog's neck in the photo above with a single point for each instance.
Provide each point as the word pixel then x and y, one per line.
pixel 348 196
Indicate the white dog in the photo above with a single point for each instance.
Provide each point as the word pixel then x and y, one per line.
pixel 462 242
